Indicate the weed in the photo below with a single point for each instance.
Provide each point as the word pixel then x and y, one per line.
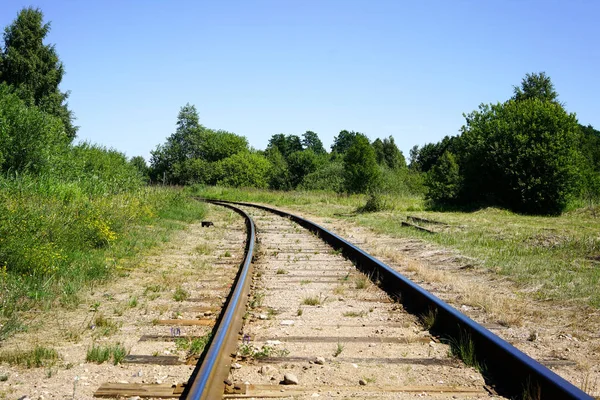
pixel 258 274
pixel 95 307
pixel 338 349
pixel 305 282
pixel 299 312
pixel 257 300
pixel 250 351
pixel 101 354
pixel 203 249
pixel 133 302
pixel 339 290
pixel 193 347
pixel 281 271
pixel 105 326
pixel 464 348
pixel 38 357
pixel 354 314
pixel 312 301
pixel 3 377
pixel 428 319
pixel 180 294
pixel 361 282
pixel 227 254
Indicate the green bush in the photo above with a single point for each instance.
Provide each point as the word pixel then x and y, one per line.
pixel 329 177
pixel 522 155
pixel 243 170
pixel 30 140
pixel 361 172
pixel 443 180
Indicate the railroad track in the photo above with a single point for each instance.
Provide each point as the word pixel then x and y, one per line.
pixel 314 316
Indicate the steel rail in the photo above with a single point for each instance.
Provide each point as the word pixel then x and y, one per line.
pixel 207 379
pixel 512 372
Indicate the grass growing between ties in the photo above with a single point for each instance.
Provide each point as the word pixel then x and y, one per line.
pixel 464 349
pixel 553 258
pixel 193 347
pixel 38 357
pixel 101 354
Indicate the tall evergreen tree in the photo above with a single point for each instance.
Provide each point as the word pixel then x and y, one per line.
pixel 33 68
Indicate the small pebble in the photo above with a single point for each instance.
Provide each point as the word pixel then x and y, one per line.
pixel 287 322
pixel 290 379
pixel 320 360
pixel 362 382
pixel 263 316
pixel 236 366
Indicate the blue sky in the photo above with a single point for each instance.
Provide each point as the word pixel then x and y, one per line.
pixel 257 68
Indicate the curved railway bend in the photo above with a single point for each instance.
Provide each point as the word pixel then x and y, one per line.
pixel 313 316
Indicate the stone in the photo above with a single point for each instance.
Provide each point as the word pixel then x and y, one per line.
pixel 265 370
pixel 24 398
pixel 287 322
pixel 236 366
pixel 263 316
pixel 290 379
pixel 208 313
pixel 320 360
pixel 135 398
pixel 362 382
pixel 228 382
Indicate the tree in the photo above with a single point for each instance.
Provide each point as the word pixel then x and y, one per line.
pixel 522 155
pixel 33 69
pixel 139 163
pixel 343 141
pixel 443 180
pixel 243 170
pixel 311 141
pixel 279 177
pixel 286 144
pixel 361 173
pixel 392 155
pixel 538 86
pixel 300 164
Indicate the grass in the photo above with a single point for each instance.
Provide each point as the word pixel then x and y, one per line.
pixel 281 271
pixel 105 326
pixel 180 294
pixel 133 302
pixel 193 347
pixel 464 348
pixel 101 354
pixel 428 319
pixel 251 351
pixel 38 357
pixel 361 282
pixel 257 300
pixel 338 349
pixel 554 258
pixel 58 238
pixel 354 314
pixel 312 301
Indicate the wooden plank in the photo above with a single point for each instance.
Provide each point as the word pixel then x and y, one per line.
pixel 145 390
pixel 341 339
pixel 279 391
pixel 425 220
pixel 166 338
pixel 158 360
pixel 369 360
pixel 187 322
pixel 417 227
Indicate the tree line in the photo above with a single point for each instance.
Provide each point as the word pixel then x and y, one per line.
pixel 196 154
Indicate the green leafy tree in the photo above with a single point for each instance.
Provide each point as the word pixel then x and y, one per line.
pixel 329 176
pixel 139 163
pixel 361 172
pixel 392 155
pixel 379 154
pixel 217 145
pixel 443 180
pixel 286 144
pixel 311 141
pixel 536 86
pixel 243 170
pixel 279 176
pixel 33 68
pixel 300 164
pixel 521 154
pixel 30 139
pixel 343 141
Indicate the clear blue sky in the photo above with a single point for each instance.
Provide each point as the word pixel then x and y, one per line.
pixel 257 68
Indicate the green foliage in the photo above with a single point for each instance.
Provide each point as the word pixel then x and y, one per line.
pixel 243 170
pixel 300 164
pixel 402 181
pixel 140 164
pixel 535 86
pixel 443 180
pixel 361 173
pixel 38 357
pixel 375 203
pixel 30 140
pixel 100 354
pixel 33 69
pixel 286 144
pixel 388 154
pixel 522 154
pixel 330 176
pixel 343 141
pixel 311 141
pixel 424 158
pixel 279 174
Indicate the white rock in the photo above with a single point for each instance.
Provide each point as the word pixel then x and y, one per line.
pixel 320 360
pixel 236 366
pixel 263 316
pixel 287 322
pixel 273 342
pixel 290 379
pixel 354 365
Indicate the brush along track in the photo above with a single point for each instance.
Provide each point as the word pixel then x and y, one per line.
pixel 312 314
